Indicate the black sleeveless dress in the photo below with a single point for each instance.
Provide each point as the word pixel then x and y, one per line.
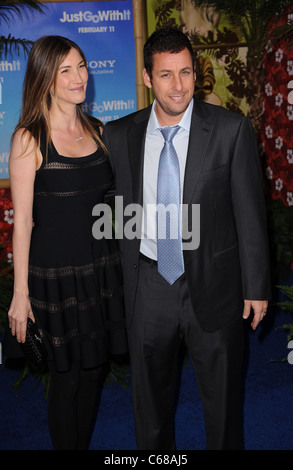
pixel 75 280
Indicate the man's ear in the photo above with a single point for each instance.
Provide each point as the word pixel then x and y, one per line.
pixel 146 79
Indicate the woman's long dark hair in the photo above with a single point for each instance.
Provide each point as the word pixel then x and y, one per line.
pixel 45 57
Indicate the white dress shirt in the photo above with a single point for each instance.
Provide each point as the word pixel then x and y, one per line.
pixel 153 146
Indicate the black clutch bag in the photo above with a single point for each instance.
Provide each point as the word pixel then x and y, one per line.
pixel 33 348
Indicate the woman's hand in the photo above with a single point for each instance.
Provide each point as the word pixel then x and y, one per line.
pixel 20 310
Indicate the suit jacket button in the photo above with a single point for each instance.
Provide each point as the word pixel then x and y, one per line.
pixel 135 266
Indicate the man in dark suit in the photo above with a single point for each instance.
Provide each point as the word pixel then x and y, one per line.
pixel 221 275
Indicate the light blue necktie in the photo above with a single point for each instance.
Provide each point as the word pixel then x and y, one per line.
pixel 169 242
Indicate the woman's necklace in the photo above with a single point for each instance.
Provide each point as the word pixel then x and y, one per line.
pixel 75 139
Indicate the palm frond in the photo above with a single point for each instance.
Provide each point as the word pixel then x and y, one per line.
pixel 258 20
pixel 288 291
pixel 11 9
pixel 258 8
pixel 284 31
pixel 10 45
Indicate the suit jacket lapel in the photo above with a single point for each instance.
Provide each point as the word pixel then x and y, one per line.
pixel 200 134
pixel 136 142
pixel 199 137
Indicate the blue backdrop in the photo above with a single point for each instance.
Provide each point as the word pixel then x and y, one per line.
pixel 104 31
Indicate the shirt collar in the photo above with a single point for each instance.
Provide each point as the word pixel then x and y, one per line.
pixel 184 123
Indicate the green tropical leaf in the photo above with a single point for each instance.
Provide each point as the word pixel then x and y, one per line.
pixel 9 10
pixel 257 19
pixel 10 45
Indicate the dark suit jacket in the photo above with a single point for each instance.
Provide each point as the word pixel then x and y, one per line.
pixel 223 175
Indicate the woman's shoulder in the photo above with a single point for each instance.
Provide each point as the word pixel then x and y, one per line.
pixel 23 139
pixel 25 145
pixel 22 133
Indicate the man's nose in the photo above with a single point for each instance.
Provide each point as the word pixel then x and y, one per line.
pixel 177 83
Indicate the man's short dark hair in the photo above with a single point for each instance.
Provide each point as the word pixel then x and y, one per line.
pixel 165 39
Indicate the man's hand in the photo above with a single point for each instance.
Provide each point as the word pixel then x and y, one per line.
pixel 259 308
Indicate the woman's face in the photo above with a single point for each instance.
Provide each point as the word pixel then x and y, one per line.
pixel 71 80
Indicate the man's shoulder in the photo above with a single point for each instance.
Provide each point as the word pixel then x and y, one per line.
pixel 214 111
pixel 129 119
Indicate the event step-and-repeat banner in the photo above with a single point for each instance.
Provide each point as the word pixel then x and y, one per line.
pixel 104 31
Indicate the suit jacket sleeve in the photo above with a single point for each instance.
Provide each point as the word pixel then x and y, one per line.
pixel 250 215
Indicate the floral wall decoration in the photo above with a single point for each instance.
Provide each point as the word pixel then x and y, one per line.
pixel 277 124
pixel 6 225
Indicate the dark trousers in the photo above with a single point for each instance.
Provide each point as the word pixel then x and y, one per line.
pixel 163 319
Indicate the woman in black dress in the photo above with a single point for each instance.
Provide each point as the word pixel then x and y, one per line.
pixel 65 280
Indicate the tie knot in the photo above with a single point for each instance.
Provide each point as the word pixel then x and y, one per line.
pixel 169 132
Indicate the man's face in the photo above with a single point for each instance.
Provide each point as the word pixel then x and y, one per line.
pixel 172 83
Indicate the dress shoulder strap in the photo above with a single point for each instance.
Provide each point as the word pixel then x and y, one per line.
pixel 46 150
